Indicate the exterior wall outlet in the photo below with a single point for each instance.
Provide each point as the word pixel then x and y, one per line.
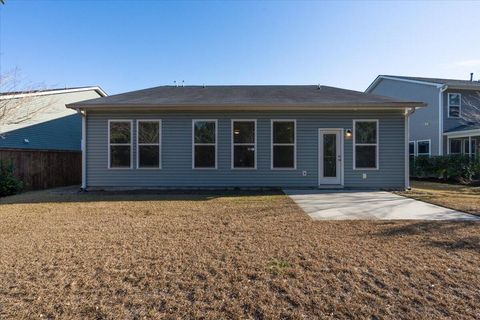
pixel 364 176
pixel 304 173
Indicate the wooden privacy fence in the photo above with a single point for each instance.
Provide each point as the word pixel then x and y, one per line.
pixel 42 169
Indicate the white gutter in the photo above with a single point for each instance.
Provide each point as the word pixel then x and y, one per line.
pixel 49 92
pixel 84 149
pixel 440 119
pixel 462 134
pixel 408 112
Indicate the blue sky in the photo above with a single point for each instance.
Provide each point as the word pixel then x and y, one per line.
pixel 128 45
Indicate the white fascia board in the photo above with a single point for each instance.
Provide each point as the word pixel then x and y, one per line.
pixel 462 134
pixel 44 93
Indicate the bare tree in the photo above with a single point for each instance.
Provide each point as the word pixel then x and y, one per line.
pixel 472 114
pixel 17 104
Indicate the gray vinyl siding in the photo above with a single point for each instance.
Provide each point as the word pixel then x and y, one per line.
pixel 177 151
pixel 59 134
pixel 424 123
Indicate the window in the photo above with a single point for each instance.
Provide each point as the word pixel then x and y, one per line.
pixel 283 144
pixel 365 144
pixel 423 147
pixel 120 144
pixel 148 144
pixel 455 146
pixel 473 146
pixel 204 144
pixel 411 150
pixel 244 144
pixel 454 102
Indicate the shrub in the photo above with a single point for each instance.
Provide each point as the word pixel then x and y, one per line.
pixel 459 168
pixel 9 184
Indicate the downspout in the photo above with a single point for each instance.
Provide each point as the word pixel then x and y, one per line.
pixel 440 120
pixel 408 113
pixel 83 114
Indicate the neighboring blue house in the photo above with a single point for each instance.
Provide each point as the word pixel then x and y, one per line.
pixel 451 122
pixel 39 120
pixel 245 136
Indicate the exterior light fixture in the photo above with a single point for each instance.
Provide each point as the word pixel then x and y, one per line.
pixel 348 133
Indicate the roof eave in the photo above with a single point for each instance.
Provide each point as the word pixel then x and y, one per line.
pixel 211 107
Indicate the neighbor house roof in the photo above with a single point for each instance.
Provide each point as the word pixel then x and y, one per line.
pixel 451 83
pixel 242 97
pixel 464 129
pixel 20 94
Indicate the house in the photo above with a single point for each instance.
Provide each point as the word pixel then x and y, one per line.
pixel 41 138
pixel 39 120
pixel 451 122
pixel 245 136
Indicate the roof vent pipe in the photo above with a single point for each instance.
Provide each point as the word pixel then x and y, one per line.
pixel 471 76
pixel 175 83
pixel 183 83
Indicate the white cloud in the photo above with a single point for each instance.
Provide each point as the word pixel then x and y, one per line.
pixel 468 63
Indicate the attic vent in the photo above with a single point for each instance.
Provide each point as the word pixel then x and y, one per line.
pixel 319 86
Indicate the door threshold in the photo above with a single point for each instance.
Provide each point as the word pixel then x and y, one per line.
pixel 330 186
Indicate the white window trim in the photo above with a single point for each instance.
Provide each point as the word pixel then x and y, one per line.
pixel 233 144
pixel 120 144
pixel 204 144
pixel 284 144
pixel 459 105
pixel 414 148
pixel 159 144
pixel 377 145
pixel 429 148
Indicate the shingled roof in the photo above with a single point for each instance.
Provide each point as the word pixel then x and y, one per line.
pixel 270 96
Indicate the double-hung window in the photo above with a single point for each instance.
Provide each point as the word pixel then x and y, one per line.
pixel 120 144
pixel 454 105
pixel 423 148
pixel 244 140
pixel 204 144
pixel 149 144
pixel 283 144
pixel 365 144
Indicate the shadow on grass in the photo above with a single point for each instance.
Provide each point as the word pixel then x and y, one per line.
pixel 451 231
pixel 467 243
pixel 54 196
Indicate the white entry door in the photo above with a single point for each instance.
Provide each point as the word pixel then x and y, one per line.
pixel 330 157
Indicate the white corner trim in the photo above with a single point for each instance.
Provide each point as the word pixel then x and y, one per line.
pixel 84 149
pixel 440 120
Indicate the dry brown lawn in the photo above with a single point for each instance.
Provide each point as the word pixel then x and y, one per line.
pixel 231 255
pixel 458 197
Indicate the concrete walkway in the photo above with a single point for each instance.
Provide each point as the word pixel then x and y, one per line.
pixel 352 205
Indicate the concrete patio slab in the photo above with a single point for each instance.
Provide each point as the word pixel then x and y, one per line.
pixel 361 205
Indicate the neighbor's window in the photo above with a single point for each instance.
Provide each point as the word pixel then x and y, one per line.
pixel 283 144
pixel 148 143
pixel 244 143
pixel 205 144
pixel 455 146
pixel 454 100
pixel 423 147
pixel 365 144
pixel 411 150
pixel 120 144
pixel 467 148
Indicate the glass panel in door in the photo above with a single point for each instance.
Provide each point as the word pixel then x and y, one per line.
pixel 329 155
